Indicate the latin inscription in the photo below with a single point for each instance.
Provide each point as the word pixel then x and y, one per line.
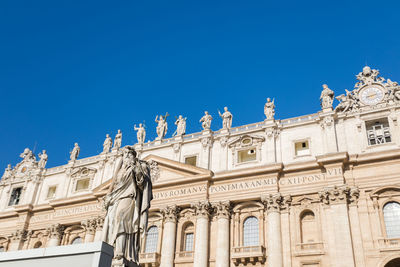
pixel 180 192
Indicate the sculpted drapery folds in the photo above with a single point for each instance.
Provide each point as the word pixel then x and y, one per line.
pixel 127 205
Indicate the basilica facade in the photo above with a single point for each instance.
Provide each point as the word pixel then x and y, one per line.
pixel 316 190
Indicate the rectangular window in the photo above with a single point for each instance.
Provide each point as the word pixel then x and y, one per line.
pixel 15 196
pixel 51 192
pixel 191 160
pixel 82 184
pixel 189 238
pixel 246 155
pixel 302 148
pixel 378 132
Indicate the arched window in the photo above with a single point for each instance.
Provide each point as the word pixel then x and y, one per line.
pixel 391 215
pixel 151 240
pixel 308 227
pixel 77 240
pixel 251 232
pixel 188 237
pixel 37 245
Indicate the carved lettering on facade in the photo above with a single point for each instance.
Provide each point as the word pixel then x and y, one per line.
pixel 180 192
pixel 77 210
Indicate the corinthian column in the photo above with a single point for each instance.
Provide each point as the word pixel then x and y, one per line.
pixel 170 214
pixel 55 233
pixel 16 240
pixel 223 213
pixel 99 228
pixel 90 228
pixel 273 206
pixel 202 210
pixel 336 198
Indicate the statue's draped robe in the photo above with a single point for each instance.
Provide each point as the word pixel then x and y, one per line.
pixel 128 207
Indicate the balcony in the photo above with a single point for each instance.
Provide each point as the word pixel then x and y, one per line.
pixel 310 248
pixel 149 259
pixel 388 244
pixel 184 256
pixel 244 255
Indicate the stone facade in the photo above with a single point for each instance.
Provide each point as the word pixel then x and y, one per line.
pixel 307 191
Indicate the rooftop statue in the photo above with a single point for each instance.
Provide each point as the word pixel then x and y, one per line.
pixel 180 126
pixel 127 203
pixel 206 121
pixel 141 133
pixel 43 159
pixel 269 109
pixel 107 145
pixel 226 118
pixel 162 126
pixel 75 152
pixel 326 97
pixel 7 173
pixel 118 140
pixel 28 156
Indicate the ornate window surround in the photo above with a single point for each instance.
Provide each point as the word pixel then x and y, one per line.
pixel 380 198
pixel 362 127
pixel 81 174
pixel 186 217
pixel 191 155
pixel 240 143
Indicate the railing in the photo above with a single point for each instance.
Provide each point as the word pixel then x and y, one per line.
pixel 149 259
pixel 185 254
pixel 248 254
pixel 389 243
pixel 310 246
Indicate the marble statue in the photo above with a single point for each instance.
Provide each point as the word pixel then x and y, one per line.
pixel 141 133
pixel 226 118
pixel 348 102
pixel 269 109
pixel 43 159
pixel 118 140
pixel 107 145
pixel 127 203
pixel 7 172
pixel 162 126
pixel 326 97
pixel 28 156
pixel 180 126
pixel 75 152
pixel 206 121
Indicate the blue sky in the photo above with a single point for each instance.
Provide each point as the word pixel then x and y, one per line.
pixel 72 71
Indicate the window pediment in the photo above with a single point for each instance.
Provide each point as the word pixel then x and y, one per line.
pixel 246 141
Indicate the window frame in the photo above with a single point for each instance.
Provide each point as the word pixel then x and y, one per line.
pixel 244 232
pixel 155 241
pixel 384 228
pixel 190 156
pixel 294 142
pixel 19 198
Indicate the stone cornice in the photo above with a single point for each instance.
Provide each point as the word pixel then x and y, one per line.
pixel 336 157
pixel 375 156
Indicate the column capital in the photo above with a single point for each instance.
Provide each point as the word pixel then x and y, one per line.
pixel 272 202
pixel 89 225
pixel 99 221
pixel 18 235
pixel 202 209
pixel 223 209
pixel 170 213
pixel 339 195
pixel 55 230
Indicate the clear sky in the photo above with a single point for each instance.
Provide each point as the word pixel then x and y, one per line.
pixel 72 71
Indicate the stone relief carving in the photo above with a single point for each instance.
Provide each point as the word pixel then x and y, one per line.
pixel 18 235
pixel 269 109
pixel 327 122
pixel 126 219
pixel 55 231
pixel 118 140
pixel 141 133
pixel 162 126
pixel 180 126
pixel 107 145
pixel 246 140
pixel 75 152
pixel 339 194
pixel 8 172
pixel 206 121
pixel 226 118
pixel 154 170
pixel 326 97
pixel 43 159
pixel 206 142
pixel 176 147
pixel 224 141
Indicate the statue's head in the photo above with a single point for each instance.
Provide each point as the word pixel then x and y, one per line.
pixel 366 70
pixel 9 166
pixel 119 131
pixel 180 116
pixel 76 144
pixel 129 152
pixel 226 108
pixel 107 135
pixel 206 112
pixel 324 86
pixel 140 125
pixel 268 99
pixel 44 152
